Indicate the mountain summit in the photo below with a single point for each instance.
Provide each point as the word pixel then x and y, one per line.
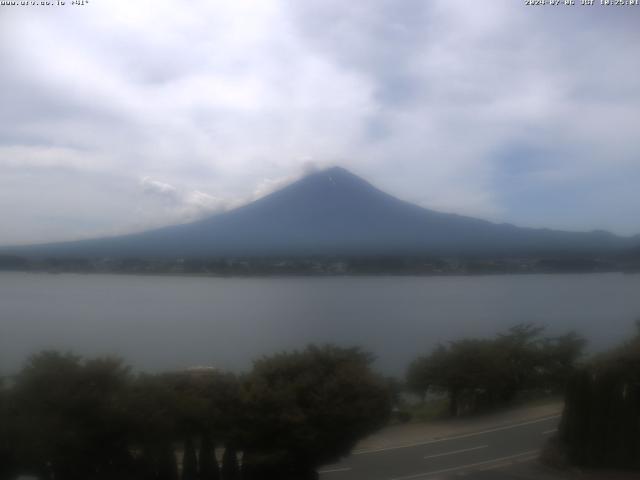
pixel 334 212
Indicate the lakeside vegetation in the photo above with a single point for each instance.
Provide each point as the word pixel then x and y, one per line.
pixel 482 374
pixel 66 418
pixel 601 423
pixel 63 417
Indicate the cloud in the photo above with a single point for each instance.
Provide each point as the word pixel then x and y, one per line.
pixel 183 205
pixel 155 187
pixel 48 157
pixel 441 103
pixel 269 185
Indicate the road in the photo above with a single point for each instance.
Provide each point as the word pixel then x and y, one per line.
pixel 486 449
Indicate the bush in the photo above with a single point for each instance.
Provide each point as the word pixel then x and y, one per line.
pixel 480 374
pixel 310 408
pixel 600 426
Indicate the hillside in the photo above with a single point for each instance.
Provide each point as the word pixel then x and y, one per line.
pixel 333 212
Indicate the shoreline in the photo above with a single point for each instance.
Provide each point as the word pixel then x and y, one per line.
pixel 320 275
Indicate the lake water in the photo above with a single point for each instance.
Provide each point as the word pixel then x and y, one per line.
pixel 158 323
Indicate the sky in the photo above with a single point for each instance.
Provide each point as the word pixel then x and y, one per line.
pixel 120 116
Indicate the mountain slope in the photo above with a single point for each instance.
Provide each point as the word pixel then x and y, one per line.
pixel 334 212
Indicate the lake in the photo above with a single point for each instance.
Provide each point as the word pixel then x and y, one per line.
pixel 169 322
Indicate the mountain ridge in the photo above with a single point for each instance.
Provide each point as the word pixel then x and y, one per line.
pixel 334 212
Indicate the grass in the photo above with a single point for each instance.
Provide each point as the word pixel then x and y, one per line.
pixel 427 411
pixel 438 408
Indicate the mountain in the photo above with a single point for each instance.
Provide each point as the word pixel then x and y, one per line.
pixel 333 212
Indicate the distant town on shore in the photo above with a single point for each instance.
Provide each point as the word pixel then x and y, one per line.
pixel 310 266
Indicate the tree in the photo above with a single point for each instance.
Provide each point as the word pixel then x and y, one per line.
pixel 600 425
pixel 167 468
pixel 473 375
pixel 189 461
pixel 469 371
pixel 560 355
pixel 230 467
pixel 520 350
pixel 71 417
pixel 7 461
pixel 417 380
pixel 208 464
pixel 483 373
pixel 426 372
pixel 223 408
pixel 308 408
pixel 154 407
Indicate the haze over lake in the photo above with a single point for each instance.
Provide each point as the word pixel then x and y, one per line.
pixel 159 323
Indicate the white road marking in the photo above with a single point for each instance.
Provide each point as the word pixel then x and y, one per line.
pixel 456 451
pixel 334 470
pixel 466 435
pixel 464 467
pixel 549 432
pixel 496 466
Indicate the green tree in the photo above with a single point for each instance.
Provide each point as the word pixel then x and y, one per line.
pixel 189 461
pixel 426 372
pixel 7 461
pixel 153 406
pixel 181 407
pixel 560 356
pixel 472 374
pixel 208 464
pixel 308 408
pixel 484 373
pixel 417 380
pixel 600 425
pixel 230 467
pixel 71 417
pixel 520 350
pixel 167 468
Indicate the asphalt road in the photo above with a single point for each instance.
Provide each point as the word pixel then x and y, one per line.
pixel 491 448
